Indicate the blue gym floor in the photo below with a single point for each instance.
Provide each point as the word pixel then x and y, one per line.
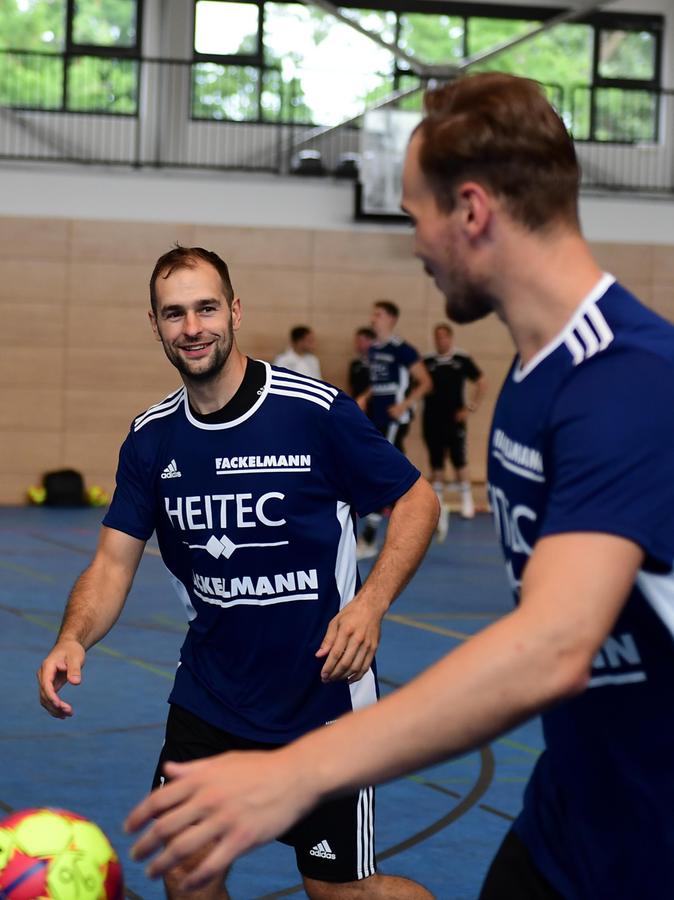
pixel 440 827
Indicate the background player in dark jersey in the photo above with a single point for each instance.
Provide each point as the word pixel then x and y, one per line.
pixel 398 379
pixel 251 477
pixel 583 497
pixel 445 418
pixel 359 367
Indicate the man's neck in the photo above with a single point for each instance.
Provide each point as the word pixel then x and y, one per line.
pixel 541 285
pixel 210 396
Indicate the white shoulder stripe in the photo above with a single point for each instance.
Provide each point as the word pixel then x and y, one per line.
pixel 574 347
pixel 159 414
pixel 590 335
pixel 300 396
pixel 314 388
pixel 303 379
pixel 601 326
pixel 167 401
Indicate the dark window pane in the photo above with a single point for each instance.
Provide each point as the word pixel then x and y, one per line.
pixel 225 29
pixel 102 85
pixel 32 81
pixel 627 54
pixel 33 25
pixel 105 23
pixel 225 92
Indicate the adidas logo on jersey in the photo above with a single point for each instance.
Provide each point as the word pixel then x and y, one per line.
pixel 171 471
pixel 323 851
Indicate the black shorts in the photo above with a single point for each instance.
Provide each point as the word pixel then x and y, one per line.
pixel 445 437
pixel 512 874
pixel 334 842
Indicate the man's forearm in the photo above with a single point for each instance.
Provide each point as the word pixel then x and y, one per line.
pixel 475 693
pixel 94 605
pixel 411 527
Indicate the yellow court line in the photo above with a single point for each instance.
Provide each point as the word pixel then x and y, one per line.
pixel 25 570
pixel 456 615
pixel 517 746
pixel 425 626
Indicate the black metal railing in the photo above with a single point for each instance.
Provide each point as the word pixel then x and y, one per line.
pixel 175 113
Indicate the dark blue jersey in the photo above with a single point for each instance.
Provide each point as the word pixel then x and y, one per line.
pixel 255 523
pixel 389 378
pixel 583 440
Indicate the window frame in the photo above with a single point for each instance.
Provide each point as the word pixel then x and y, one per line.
pixel 73 51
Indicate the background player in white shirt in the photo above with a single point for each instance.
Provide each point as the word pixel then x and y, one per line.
pixel 581 473
pixel 300 356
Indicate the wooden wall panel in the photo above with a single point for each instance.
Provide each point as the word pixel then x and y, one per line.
pixel 109 284
pixel 42 281
pixel 34 239
pixel 125 242
pixel 79 360
pixel 290 247
pixel 27 409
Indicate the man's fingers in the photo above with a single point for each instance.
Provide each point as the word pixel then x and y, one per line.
pixel 338 660
pixel 328 640
pixel 218 860
pixel 158 802
pixel 359 664
pixel 187 842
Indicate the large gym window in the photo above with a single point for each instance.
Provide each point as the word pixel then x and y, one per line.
pixel 601 72
pixel 72 55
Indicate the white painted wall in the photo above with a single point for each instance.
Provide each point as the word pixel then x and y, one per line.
pixel 263 201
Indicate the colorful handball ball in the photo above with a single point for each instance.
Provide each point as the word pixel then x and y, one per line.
pixel 97 496
pixel 56 855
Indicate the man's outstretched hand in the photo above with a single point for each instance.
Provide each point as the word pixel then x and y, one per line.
pixel 235 801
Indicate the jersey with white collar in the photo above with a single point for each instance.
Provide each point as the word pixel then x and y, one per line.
pixel 583 440
pixel 255 522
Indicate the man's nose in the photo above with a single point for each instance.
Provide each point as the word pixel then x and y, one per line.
pixel 192 324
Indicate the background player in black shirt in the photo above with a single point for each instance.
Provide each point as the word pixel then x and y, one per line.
pixel 359 367
pixel 446 412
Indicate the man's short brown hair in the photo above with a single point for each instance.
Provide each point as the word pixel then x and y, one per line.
pixel 187 258
pixel 389 307
pixel 500 131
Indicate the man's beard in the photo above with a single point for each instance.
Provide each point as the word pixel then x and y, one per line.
pixel 468 306
pixel 202 376
pixel 467 301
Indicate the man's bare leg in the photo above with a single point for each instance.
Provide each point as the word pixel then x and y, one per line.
pixel 376 887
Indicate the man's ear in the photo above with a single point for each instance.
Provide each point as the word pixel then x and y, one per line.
pixel 236 313
pixel 475 204
pixel 153 322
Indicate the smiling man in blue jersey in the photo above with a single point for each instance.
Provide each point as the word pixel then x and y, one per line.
pixel 251 476
pixel 581 480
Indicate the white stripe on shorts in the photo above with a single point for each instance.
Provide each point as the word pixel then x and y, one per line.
pixel 365 834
